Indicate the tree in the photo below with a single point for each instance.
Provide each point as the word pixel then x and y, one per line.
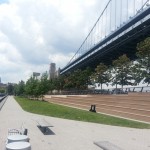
pixel 78 79
pixel 43 84
pixel 19 89
pixel 2 91
pixel 137 73
pixel 114 80
pixel 122 71
pixel 61 80
pixel 10 89
pixel 51 85
pixel 143 53
pixel 32 87
pixel 102 75
pixel 16 89
pixel 58 83
pixel 86 74
pixel 68 82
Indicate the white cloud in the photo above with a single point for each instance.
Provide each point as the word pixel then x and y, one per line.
pixel 34 33
pixel 61 59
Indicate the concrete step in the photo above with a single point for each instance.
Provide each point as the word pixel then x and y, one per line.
pixel 130 106
pixel 125 114
pixel 110 107
pixel 119 113
pixel 110 98
pixel 109 103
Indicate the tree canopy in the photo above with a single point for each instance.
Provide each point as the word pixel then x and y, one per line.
pixel 143 53
pixel 101 74
pixel 122 70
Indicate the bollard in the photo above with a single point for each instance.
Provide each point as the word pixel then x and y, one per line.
pixel 25 131
pixel 93 108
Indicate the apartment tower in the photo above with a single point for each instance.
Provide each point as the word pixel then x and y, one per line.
pixel 52 71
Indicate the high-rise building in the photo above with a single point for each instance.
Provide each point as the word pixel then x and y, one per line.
pixel 52 70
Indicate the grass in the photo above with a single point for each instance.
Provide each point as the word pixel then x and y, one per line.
pixel 59 111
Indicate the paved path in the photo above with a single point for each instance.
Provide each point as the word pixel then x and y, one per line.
pixel 68 134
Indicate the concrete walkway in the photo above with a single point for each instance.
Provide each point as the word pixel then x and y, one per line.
pixel 68 134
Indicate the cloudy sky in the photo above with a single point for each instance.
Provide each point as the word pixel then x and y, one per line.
pixel 34 33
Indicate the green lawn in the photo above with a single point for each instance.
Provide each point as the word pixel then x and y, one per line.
pixel 54 110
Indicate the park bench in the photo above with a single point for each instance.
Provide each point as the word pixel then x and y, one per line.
pixel 105 145
pixel 43 124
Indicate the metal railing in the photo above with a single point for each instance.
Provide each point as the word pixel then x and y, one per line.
pixel 126 90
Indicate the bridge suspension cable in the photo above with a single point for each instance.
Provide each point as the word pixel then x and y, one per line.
pixel 114 16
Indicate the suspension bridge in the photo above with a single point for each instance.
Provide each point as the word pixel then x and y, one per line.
pixel 121 25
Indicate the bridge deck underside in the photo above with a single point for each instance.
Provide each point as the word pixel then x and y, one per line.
pixel 125 44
